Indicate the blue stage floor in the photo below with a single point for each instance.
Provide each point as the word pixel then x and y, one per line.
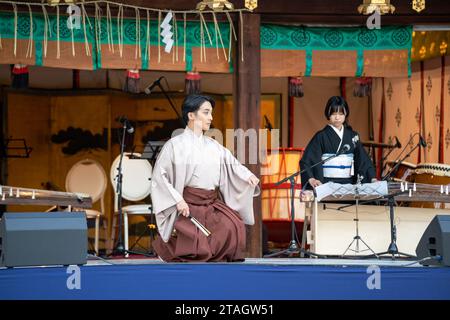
pixel 255 279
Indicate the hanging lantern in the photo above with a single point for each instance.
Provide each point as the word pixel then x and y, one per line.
pixel 132 81
pixel 296 87
pixel 370 6
pixel 192 83
pixel 251 4
pixel 363 87
pixel 19 76
pixel 56 2
pixel 418 5
pixel 215 5
pixel 443 48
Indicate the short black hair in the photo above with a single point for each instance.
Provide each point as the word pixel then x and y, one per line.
pixel 336 104
pixel 192 103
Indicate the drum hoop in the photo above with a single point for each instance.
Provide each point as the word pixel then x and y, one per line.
pixel 145 186
pixel 437 169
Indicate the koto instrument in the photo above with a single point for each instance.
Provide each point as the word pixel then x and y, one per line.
pixel 402 191
pixel 24 196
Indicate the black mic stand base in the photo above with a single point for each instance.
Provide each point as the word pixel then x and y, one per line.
pixel 392 249
pixel 394 255
pixel 291 251
pixel 393 252
pixel 118 250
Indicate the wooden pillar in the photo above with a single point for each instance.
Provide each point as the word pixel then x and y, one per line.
pixel 3 135
pixel 75 79
pixel 247 113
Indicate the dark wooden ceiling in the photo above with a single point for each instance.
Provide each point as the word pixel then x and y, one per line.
pixel 333 12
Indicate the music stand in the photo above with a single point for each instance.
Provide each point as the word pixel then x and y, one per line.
pixel 15 148
pixel 151 150
pixel 392 249
pixel 343 192
pixel 357 238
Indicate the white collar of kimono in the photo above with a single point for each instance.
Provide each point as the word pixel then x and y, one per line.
pixel 191 133
pixel 340 133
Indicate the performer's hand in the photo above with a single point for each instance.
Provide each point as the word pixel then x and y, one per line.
pixel 374 180
pixel 183 208
pixel 314 182
pixel 253 181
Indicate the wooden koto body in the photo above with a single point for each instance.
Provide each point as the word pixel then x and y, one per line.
pixel 25 196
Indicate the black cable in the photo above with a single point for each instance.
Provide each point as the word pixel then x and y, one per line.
pixel 437 258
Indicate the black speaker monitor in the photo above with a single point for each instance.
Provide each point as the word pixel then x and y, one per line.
pixel 34 239
pixel 435 242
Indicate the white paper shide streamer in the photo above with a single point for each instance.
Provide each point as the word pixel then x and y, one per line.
pixel 166 32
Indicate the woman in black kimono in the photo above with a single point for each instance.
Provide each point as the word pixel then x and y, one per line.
pixel 336 137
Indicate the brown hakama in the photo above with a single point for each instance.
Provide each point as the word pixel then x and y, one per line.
pixel 188 243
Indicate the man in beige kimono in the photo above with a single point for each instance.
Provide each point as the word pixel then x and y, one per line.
pixel 190 172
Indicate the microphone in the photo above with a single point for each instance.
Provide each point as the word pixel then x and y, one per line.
pixel 398 161
pixel 126 124
pixel 422 142
pixel 345 148
pixel 155 83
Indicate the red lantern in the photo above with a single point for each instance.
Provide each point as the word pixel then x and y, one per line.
pixel 363 87
pixel 19 75
pixel 192 83
pixel 132 81
pixel 296 87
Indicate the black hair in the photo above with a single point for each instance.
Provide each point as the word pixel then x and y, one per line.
pixel 336 104
pixel 192 103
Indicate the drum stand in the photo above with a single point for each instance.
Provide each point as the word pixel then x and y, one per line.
pixel 357 238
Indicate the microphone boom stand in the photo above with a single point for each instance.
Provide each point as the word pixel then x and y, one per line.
pixel 397 164
pixel 119 248
pixel 164 92
pixel 393 249
pixel 293 245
